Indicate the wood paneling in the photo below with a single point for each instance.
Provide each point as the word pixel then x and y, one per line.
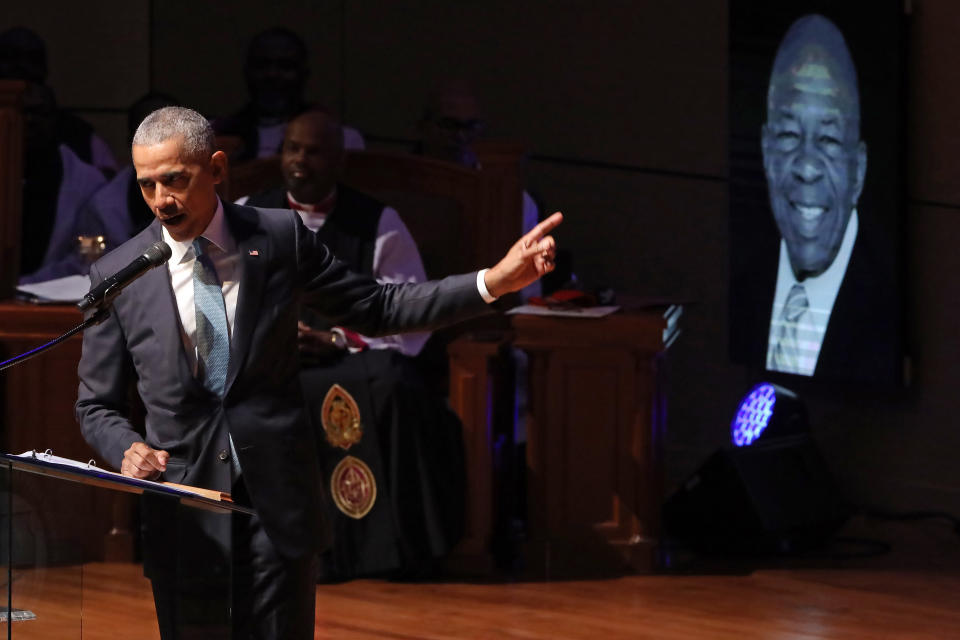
pixel 594 478
pixel 478 380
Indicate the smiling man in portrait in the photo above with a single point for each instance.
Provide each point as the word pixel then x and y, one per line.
pixel 815 163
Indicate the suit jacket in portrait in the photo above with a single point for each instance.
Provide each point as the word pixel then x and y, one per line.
pixel 862 341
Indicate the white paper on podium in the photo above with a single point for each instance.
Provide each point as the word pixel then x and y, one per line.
pixel 91 466
pixel 575 312
pixel 62 290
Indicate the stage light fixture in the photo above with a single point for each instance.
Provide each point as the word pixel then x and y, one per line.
pixel 769 493
pixel 769 410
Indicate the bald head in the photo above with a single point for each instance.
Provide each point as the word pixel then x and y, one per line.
pixel 813 158
pixel 813 58
pixel 312 155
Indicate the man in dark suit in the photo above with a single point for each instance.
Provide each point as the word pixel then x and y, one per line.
pixel 822 294
pixel 211 340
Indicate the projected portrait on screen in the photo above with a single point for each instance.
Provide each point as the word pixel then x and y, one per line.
pixel 817 191
pixel 815 163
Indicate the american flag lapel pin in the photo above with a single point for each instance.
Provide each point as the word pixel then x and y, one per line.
pixel 254 252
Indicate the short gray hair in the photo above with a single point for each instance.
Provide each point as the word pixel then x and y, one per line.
pixel 172 122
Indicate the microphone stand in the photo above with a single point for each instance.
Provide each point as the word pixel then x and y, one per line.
pixel 98 316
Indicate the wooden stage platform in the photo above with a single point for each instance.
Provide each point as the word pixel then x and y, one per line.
pixel 912 592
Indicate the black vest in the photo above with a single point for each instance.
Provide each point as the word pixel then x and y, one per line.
pixel 350 231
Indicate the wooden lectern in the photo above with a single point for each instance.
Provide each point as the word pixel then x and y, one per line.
pixel 597 407
pixel 597 414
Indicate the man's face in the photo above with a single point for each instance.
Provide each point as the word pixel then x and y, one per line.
pixel 311 156
pixel 276 74
pixel 181 191
pixel 449 135
pixel 814 163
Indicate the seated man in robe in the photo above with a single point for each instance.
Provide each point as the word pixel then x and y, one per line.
pixel 276 72
pixel 56 185
pixel 23 56
pixel 391 450
pixel 117 211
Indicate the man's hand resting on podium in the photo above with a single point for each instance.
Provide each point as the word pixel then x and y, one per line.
pixel 526 261
pixel 140 461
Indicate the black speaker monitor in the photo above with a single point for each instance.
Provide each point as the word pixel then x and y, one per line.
pixel 776 496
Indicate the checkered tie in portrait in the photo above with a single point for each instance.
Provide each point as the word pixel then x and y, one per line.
pixel 213 339
pixel 786 353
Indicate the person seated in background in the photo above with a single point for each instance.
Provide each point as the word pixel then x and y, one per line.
pixel 276 72
pixel 452 122
pixel 391 450
pixel 117 211
pixel 23 56
pixel 451 125
pixel 56 185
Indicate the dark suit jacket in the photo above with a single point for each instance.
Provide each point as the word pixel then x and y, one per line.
pixel 282 265
pixel 862 342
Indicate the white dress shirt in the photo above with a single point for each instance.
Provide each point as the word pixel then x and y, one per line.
pixel 821 292
pixel 226 261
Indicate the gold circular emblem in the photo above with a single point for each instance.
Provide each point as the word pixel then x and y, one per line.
pixel 353 487
pixel 340 416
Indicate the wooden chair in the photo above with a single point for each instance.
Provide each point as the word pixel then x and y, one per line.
pixel 461 218
pixel 249 177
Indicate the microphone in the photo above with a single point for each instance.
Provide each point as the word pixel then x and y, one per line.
pixel 104 293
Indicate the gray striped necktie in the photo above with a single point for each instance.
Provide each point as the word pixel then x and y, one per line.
pixel 213 339
pixel 786 353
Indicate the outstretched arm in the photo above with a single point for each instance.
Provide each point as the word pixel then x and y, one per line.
pixel 360 303
pixel 529 259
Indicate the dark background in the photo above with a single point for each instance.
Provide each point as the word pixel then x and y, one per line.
pixel 875 39
pixel 624 108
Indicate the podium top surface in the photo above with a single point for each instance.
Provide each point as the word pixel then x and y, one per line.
pixel 89 474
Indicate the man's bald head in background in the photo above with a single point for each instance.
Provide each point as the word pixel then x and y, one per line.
pixel 312 155
pixel 813 157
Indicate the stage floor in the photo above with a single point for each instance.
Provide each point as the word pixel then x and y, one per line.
pixel 911 592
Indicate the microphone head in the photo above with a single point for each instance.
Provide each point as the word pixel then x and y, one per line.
pixel 158 253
